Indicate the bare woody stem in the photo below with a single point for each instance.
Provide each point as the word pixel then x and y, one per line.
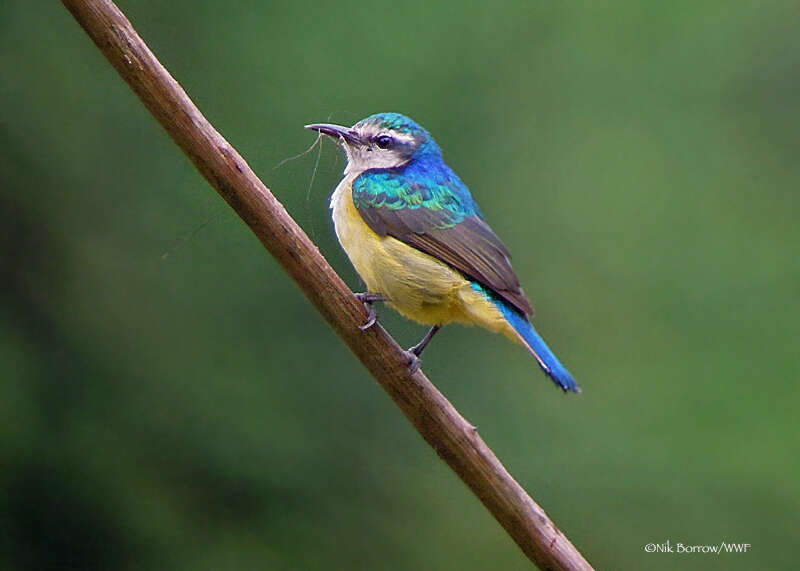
pixel 453 438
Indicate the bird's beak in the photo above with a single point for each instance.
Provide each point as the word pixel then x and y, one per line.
pixel 347 134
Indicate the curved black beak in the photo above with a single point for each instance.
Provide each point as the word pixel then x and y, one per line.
pixel 337 132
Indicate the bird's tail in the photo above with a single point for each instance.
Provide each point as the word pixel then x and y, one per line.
pixel 536 345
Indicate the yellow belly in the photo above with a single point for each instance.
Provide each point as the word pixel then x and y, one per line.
pixel 418 285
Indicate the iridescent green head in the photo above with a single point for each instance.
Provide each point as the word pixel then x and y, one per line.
pixel 383 140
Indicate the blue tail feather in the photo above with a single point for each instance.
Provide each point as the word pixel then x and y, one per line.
pixel 547 360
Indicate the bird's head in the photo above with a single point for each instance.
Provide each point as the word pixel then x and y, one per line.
pixel 383 140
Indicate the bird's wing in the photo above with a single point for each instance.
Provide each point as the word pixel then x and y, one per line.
pixel 436 215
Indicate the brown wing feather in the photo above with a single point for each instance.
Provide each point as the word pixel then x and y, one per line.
pixel 472 248
pixel 391 201
pixel 469 247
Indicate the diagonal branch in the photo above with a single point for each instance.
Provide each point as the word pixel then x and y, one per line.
pixel 453 438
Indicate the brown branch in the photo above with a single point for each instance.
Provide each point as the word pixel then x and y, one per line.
pixel 453 438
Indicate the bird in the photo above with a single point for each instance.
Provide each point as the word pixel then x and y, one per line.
pixel 419 242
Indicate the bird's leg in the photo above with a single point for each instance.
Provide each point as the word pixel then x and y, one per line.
pixel 420 347
pixel 368 298
pixel 415 351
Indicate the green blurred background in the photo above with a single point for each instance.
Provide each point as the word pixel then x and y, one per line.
pixel 169 400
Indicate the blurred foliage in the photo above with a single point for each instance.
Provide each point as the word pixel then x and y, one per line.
pixel 168 399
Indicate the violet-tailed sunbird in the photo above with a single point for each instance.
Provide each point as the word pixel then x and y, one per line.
pixel 418 240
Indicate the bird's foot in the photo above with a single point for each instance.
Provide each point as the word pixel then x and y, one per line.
pixel 414 352
pixel 368 299
pixel 414 362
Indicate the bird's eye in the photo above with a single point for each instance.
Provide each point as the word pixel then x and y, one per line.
pixel 384 141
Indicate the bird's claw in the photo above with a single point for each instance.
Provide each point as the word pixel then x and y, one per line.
pixel 414 362
pixel 372 318
pixel 368 299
